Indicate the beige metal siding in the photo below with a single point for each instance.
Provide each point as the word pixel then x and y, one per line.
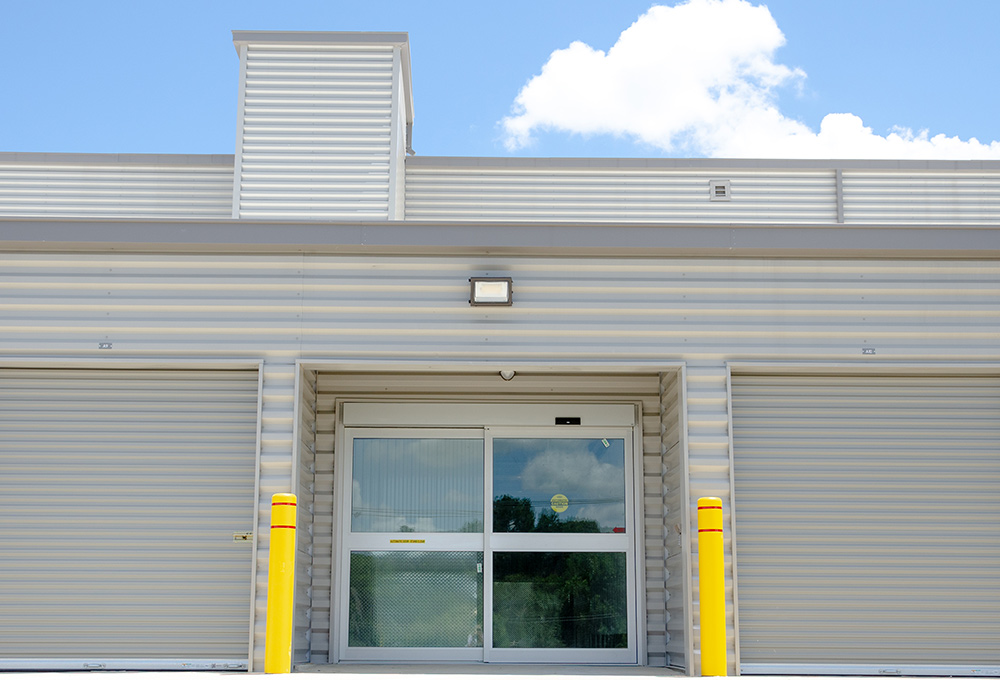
pixel 868 523
pixel 311 521
pixel 676 556
pixel 528 387
pixel 915 197
pixel 536 192
pixel 323 536
pixel 155 189
pixel 316 132
pixel 121 491
pixel 576 311
pixel 276 476
pixel 709 475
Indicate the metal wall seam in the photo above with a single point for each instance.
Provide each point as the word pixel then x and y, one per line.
pixel 686 516
pixel 300 485
pixel 674 501
pixel 323 521
pixel 735 613
pixel 256 515
pixel 641 505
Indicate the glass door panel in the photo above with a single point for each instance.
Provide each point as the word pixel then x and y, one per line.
pixel 426 485
pixel 416 599
pixel 412 577
pixel 559 485
pixel 561 553
pixel 511 544
pixel 560 600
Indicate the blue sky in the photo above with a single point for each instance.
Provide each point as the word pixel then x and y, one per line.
pixel 149 77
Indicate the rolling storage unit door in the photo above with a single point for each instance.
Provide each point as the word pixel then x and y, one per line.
pixel 120 494
pixel 867 523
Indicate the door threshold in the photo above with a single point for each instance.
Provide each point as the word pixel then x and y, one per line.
pixel 465 668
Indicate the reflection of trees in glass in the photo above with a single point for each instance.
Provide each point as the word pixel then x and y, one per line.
pixel 361 625
pixel 550 522
pixel 516 515
pixel 589 473
pixel 575 600
pixel 473 527
pixel 512 514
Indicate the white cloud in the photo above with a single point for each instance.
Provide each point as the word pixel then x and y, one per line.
pixel 581 477
pixel 701 78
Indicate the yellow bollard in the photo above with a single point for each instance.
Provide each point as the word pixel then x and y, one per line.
pixel 712 587
pixel 280 585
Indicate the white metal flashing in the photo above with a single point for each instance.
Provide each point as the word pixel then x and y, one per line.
pixel 510 238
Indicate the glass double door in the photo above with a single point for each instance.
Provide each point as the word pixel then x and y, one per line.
pixel 488 545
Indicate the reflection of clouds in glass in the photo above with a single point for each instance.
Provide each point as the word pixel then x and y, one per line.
pixel 595 489
pixel 382 517
pixel 424 485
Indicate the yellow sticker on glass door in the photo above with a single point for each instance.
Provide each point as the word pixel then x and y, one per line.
pixel 559 503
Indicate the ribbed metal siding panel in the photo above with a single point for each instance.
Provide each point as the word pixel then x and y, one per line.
pixel 884 197
pixel 120 492
pixel 551 388
pixel 309 529
pixel 708 475
pixel 674 492
pixel 618 195
pixel 115 190
pixel 277 428
pixel 316 132
pixel 868 522
pixel 580 310
pixel 416 308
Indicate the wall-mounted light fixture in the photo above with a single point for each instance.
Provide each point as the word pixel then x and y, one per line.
pixel 491 290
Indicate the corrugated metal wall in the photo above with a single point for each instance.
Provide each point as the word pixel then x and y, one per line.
pixel 575 311
pixel 636 191
pixel 314 133
pixel 709 468
pixel 868 523
pixel 311 521
pixel 457 189
pixel 120 492
pixel 674 481
pixel 106 186
pixel 317 145
pixel 914 197
pixel 276 475
pixel 525 387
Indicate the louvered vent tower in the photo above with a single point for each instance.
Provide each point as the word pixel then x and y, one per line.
pixel 323 124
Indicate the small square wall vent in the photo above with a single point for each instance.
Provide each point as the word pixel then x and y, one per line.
pixel 718 190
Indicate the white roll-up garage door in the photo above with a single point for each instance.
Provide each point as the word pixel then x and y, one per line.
pixel 867 523
pixel 120 494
